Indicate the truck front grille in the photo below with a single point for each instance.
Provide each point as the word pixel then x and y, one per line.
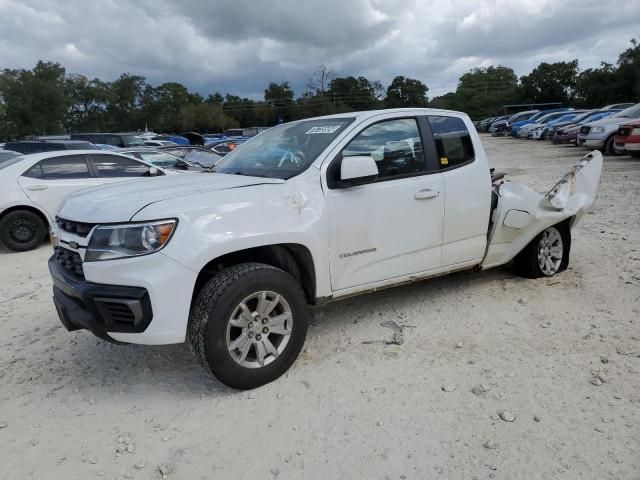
pixel 70 261
pixel 77 228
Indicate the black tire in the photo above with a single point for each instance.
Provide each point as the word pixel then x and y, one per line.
pixel 22 230
pixel 634 154
pixel 608 146
pixel 526 262
pixel 212 311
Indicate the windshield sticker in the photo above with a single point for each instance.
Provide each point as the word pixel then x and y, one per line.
pixel 327 129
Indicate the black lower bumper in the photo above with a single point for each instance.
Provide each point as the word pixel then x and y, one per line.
pixel 97 307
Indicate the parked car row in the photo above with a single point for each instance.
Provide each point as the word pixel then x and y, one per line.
pixel 612 129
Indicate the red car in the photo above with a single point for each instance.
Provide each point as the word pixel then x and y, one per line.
pixel 627 140
pixel 567 134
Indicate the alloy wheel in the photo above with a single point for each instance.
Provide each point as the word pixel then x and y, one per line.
pixel 550 251
pixel 259 329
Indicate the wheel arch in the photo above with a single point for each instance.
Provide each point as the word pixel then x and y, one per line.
pixel 43 216
pixel 293 258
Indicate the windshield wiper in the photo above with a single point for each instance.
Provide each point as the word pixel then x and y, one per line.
pixel 250 175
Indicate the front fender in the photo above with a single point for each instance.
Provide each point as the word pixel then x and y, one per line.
pixel 218 223
pixel 522 213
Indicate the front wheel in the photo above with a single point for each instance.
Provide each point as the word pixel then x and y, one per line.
pixel 248 324
pixel 547 254
pixel 609 146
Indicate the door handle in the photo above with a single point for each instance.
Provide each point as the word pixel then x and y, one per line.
pixel 426 193
pixel 37 187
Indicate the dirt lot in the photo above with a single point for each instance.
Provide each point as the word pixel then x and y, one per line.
pixel 73 406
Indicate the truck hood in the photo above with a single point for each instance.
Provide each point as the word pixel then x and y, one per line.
pixel 119 202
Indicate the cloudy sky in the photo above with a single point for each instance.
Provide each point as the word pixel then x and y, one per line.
pixel 239 46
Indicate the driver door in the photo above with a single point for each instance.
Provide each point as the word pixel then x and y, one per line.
pixel 392 226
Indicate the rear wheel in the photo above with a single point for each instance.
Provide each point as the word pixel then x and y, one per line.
pixel 248 324
pixel 22 230
pixel 547 254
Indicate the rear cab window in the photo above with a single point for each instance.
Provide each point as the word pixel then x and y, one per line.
pixel 454 145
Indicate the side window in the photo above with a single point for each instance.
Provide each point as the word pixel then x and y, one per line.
pixel 52 147
pixel 113 140
pixel 110 166
pixel 60 168
pixel 34 172
pixel 395 145
pixel 453 141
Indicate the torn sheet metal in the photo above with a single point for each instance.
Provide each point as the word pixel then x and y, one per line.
pixel 523 213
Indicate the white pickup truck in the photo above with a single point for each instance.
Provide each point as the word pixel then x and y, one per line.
pixel 304 213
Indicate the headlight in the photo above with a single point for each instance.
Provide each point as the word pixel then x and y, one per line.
pixel 597 130
pixel 109 242
pixel 635 131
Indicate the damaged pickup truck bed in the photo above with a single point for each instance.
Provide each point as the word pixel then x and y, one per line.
pixel 304 213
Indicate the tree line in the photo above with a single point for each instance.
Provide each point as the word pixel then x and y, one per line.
pixel 47 100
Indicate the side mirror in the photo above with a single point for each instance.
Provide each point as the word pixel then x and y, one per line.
pixel 153 171
pixel 358 169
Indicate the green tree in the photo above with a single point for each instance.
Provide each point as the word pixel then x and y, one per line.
pixel 34 100
pixel 86 103
pixel 596 86
pixel 280 97
pixel 482 91
pixel 628 73
pixel 550 82
pixel 406 92
pixel 351 93
pixel 123 101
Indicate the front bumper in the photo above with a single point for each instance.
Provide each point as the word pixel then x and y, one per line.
pixel 168 286
pixel 97 307
pixel 589 143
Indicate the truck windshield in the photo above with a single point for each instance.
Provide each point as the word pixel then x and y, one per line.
pixel 283 151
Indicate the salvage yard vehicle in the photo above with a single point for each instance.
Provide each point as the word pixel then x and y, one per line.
pixel 305 213
pixel 569 133
pixel 8 154
pixel 627 139
pixel 540 123
pixel 502 127
pixel 27 147
pixel 194 154
pixel 600 134
pixel 160 158
pixel 516 126
pixel 33 186
pixel 115 139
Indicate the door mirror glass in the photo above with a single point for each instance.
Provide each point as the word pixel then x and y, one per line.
pixel 358 169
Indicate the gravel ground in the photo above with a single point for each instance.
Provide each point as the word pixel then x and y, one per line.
pixel 498 376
